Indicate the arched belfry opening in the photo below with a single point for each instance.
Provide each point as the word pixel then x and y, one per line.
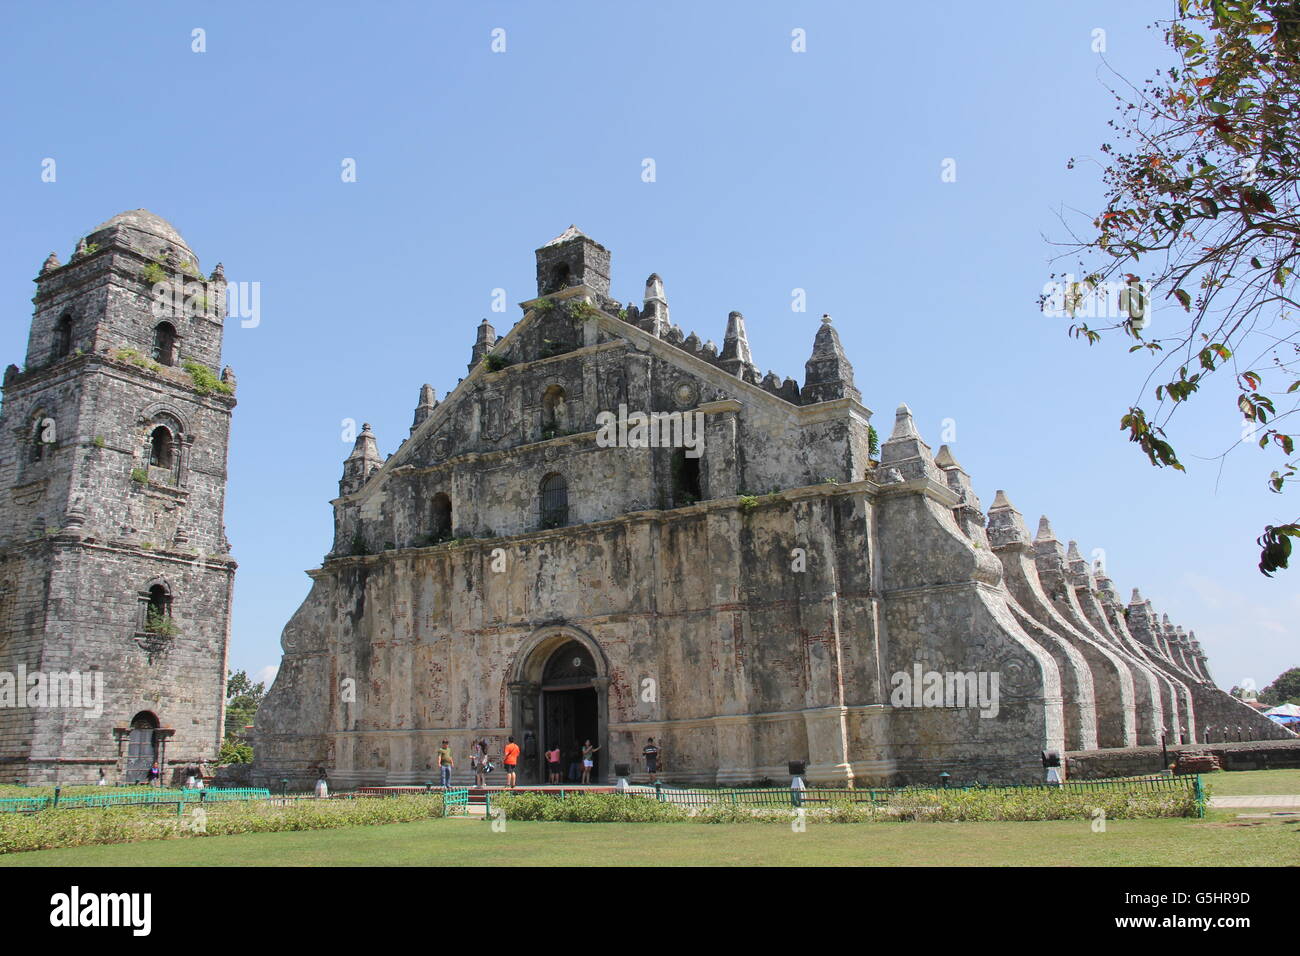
pixel 559 277
pixel 560 698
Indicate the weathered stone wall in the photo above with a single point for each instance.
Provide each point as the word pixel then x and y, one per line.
pixel 1249 755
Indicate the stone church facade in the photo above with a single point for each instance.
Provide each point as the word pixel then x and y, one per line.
pixel 115 572
pixel 511 571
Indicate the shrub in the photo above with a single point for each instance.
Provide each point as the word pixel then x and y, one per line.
pixel 948 806
pixel 233 751
pixel 50 829
pixel 140 476
pixel 494 362
pixel 588 808
pixel 205 382
pixel 161 624
pixel 153 273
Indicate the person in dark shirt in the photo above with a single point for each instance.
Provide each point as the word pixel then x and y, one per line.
pixel 651 754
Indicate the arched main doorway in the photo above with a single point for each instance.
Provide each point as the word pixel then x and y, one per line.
pixel 141 747
pixel 570 710
pixel 559 699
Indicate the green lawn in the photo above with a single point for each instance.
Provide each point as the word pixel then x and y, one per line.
pixel 1219 841
pixel 1252 782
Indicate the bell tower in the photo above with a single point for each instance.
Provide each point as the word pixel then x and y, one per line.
pixel 572 258
pixel 115 573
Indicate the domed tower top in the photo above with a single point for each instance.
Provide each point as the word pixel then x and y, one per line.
pixel 143 231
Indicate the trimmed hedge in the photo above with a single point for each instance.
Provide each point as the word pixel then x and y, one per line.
pixel 946 806
pixel 587 808
pixel 52 829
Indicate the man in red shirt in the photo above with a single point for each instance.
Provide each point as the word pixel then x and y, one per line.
pixel 510 757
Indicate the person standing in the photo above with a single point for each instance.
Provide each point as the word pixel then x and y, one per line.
pixel 510 758
pixel 478 761
pixel 322 786
pixel 101 782
pixel 651 754
pixel 588 760
pixel 155 774
pixel 445 764
pixel 553 764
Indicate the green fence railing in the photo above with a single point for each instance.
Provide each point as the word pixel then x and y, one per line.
pixel 141 797
pixel 455 802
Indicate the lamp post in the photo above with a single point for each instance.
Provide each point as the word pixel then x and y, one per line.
pixel 944 777
pixel 797 786
pixel 1052 764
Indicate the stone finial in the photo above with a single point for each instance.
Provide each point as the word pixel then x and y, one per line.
pixel 904 424
pixel 1080 570
pixel 82 248
pixel 1006 526
pixel 654 310
pixel 692 344
pixel 772 382
pixel 654 289
pixel 736 358
pixel 51 263
pixel 709 352
pixel 828 374
pixel 1045 532
pixel 945 459
pixel 361 463
pixel 970 517
pixel 675 336
pixel 428 402
pixel 486 338
pixel 908 452
pixel 228 377
pixel 219 273
pixel 790 390
pixel 1136 598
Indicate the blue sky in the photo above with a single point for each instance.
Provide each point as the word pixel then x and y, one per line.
pixel 775 170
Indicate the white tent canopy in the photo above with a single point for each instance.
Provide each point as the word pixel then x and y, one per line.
pixel 1284 710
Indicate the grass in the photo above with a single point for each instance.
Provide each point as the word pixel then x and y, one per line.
pixel 1251 782
pixel 1220 840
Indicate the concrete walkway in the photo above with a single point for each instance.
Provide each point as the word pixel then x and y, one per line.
pixel 1284 800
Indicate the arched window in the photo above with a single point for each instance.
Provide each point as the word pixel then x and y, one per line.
pixel 161 448
pixel 164 343
pixel 63 337
pixel 552 411
pixel 555 501
pixel 440 529
pixel 686 479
